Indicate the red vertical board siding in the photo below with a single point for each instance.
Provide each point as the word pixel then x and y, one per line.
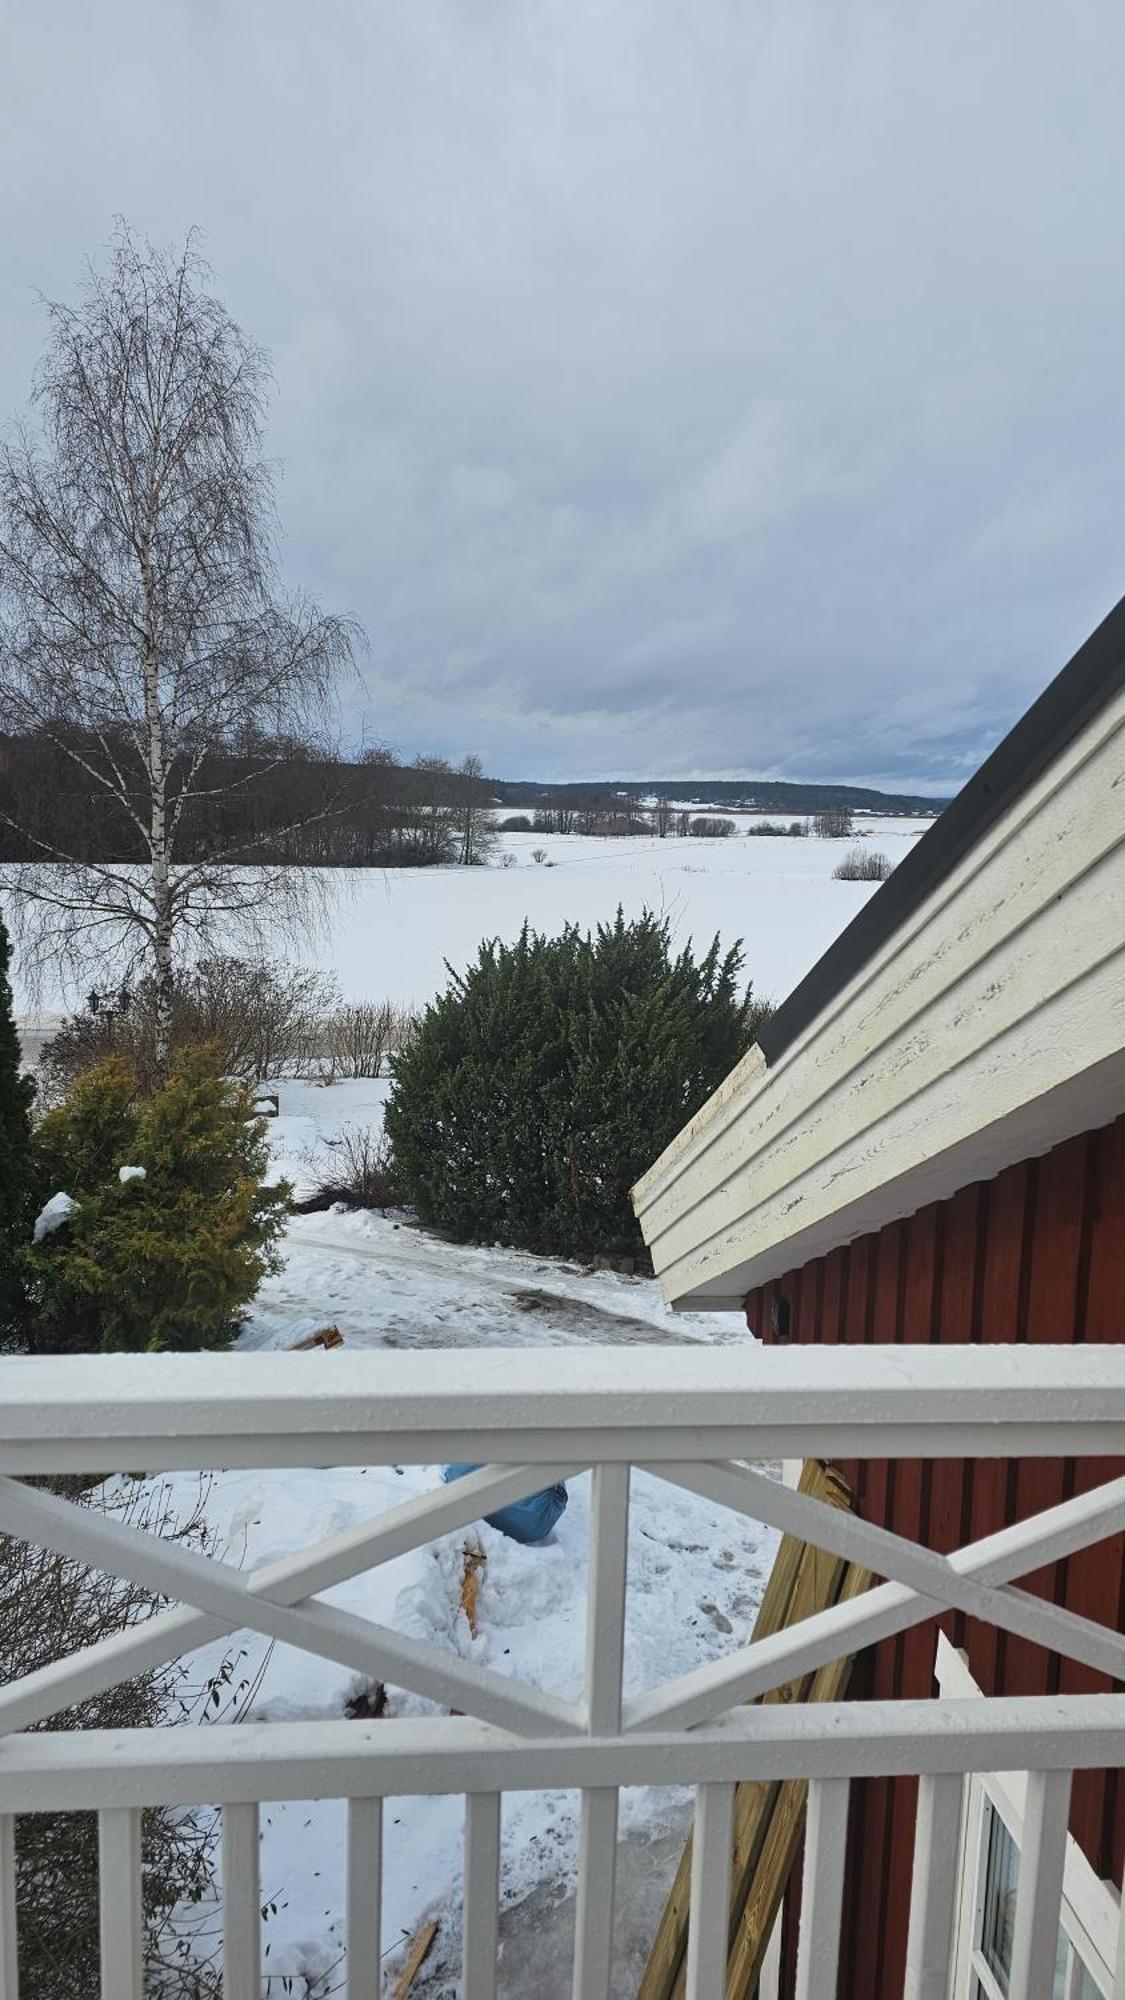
pixel 1002 1264
pixel 1036 1255
pixel 873 1307
pixel 1093 1574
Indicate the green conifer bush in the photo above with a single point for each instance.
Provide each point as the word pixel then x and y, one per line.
pixel 545 1080
pixel 168 1257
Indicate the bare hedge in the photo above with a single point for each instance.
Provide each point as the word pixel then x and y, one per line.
pixel 862 864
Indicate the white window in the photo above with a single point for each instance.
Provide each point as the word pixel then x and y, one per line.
pixel 992 1828
pixel 993 1919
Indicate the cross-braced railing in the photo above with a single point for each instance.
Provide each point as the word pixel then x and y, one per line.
pixel 692 1419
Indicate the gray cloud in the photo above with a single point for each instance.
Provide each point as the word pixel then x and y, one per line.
pixel 674 386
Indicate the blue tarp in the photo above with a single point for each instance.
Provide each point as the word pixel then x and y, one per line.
pixel 529 1520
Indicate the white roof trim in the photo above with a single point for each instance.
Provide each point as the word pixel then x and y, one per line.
pixel 991 1026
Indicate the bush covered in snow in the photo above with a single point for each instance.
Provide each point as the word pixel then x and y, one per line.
pixel 165 1259
pixel 15 1142
pixel 549 1076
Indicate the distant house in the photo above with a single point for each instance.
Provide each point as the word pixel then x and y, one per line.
pixel 928 1145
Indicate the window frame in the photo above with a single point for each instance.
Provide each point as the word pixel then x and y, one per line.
pixel 1090 1913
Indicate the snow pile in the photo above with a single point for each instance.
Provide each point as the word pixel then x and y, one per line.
pixel 52 1215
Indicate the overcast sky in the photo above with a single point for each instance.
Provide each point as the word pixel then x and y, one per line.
pixel 670 386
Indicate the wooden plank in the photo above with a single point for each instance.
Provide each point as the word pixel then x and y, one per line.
pixel 1049 1313
pixel 790 1593
pixel 921 1286
pixel 665 1962
pixel 783 1835
pixel 1002 1287
pixel 415 1959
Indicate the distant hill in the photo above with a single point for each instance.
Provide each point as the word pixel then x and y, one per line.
pixel 751 794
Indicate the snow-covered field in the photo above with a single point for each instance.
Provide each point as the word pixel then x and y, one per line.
pixel 388 933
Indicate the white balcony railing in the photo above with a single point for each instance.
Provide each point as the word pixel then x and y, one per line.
pixel 689 1418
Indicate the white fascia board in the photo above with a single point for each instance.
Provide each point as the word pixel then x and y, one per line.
pixel 986 1029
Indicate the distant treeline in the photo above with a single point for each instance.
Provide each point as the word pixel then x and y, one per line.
pixel 746 794
pixel 286 802
pixel 279 802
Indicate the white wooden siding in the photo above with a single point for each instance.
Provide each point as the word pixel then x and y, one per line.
pixel 990 1027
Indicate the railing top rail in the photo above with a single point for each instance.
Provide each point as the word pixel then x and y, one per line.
pixel 229 1763
pixel 82 1413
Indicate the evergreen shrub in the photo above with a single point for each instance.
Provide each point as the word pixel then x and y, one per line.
pixel 168 1258
pixel 546 1079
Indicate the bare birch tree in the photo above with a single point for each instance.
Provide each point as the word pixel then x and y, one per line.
pixel 476 833
pixel 142 629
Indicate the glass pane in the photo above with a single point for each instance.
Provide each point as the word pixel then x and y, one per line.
pixel 997 1923
pixel 998 1915
pixel 1085 1989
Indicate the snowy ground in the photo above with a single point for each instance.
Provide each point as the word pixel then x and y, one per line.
pixel 695 1579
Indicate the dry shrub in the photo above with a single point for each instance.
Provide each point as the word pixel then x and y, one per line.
pixel 862 864
pixel 260 1018
pixel 50 1607
pixel 360 1175
pixel 355 1040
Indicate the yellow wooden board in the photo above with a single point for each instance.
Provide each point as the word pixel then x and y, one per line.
pixel 768 1818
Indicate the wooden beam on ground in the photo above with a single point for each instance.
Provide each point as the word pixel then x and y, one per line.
pixel 325 1336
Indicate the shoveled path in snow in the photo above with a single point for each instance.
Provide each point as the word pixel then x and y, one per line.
pixel 387 1283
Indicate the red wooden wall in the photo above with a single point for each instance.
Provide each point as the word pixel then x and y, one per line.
pixel 1037 1254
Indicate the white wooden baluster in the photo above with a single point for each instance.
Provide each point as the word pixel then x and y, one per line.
pixel 1039 1894
pixel 709 1919
pixel 242 1905
pixel 1119 1972
pixel 934 1890
pixel 605 1647
pixel 365 1899
pixel 822 1889
pixel 119 1899
pixel 9 1975
pixel 482 1894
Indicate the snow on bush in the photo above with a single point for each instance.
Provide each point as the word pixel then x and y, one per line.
pixel 52 1215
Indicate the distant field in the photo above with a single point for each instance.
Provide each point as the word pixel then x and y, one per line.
pixel 388 932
